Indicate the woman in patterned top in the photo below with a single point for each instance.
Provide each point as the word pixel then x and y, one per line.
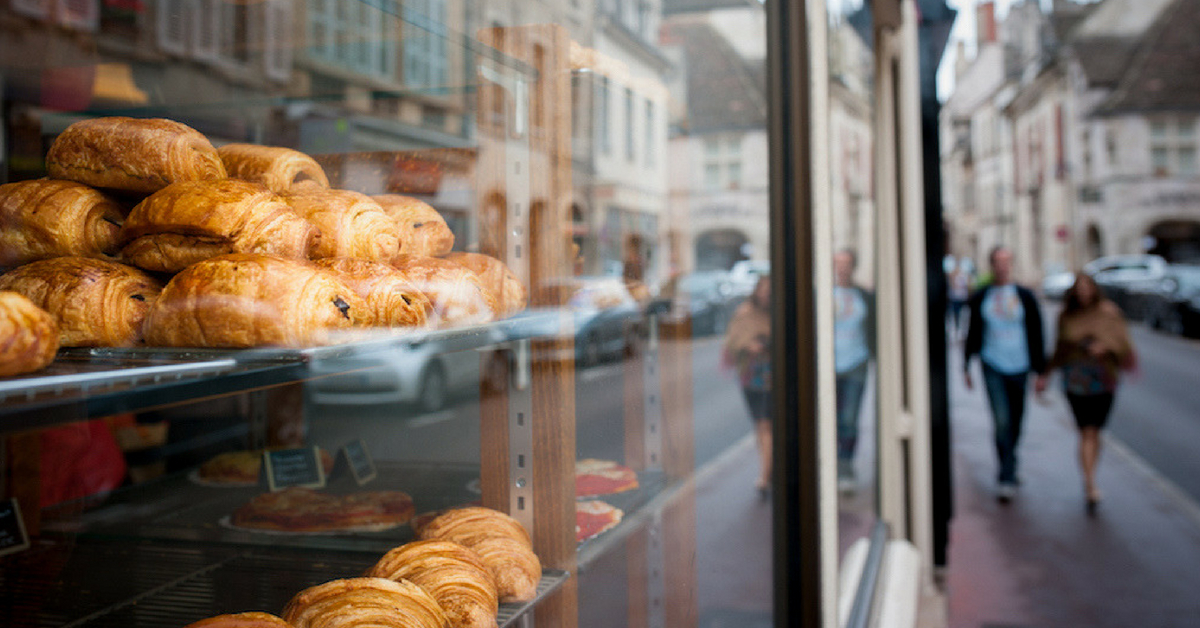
pixel 748 347
pixel 1093 346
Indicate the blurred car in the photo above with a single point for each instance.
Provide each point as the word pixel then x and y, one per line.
pixel 606 318
pixel 743 276
pixel 1173 307
pixel 1056 282
pixel 709 298
pixel 426 373
pixel 1124 278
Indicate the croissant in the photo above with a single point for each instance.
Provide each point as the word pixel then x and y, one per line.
pixel 457 293
pixel 351 224
pixel 280 169
pixel 392 299
pixel 47 218
pixel 28 336
pixel 251 619
pixel 131 154
pixel 365 602
pixel 247 300
pixel 506 289
pixel 452 574
pixel 192 221
pixel 423 231
pixel 501 543
pixel 94 302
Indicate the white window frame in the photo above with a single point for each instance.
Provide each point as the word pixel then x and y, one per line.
pixel 423 39
pixel 1170 137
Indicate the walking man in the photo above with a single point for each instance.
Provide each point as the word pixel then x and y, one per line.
pixel 1005 329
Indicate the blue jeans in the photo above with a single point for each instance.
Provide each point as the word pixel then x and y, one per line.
pixel 1006 394
pixel 850 386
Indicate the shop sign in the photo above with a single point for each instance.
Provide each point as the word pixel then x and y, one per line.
pixel 12 528
pixel 362 467
pixel 294 467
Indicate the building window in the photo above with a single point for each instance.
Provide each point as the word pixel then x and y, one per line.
pixel 630 149
pixel 648 133
pixel 723 162
pixel 1173 146
pixel 352 35
pixel 603 138
pixel 424 41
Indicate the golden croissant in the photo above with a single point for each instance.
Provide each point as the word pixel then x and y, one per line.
pixel 192 221
pixel 248 300
pixel 94 302
pixel 423 231
pixel 501 542
pixel 47 218
pixel 364 602
pixel 132 154
pixel 506 289
pixel 251 619
pixel 28 336
pixel 392 299
pixel 454 575
pixel 458 295
pixel 351 224
pixel 280 169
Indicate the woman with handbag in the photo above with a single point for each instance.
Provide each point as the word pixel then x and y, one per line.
pixel 1092 348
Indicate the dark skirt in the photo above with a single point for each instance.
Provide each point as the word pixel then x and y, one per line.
pixel 759 402
pixel 1091 410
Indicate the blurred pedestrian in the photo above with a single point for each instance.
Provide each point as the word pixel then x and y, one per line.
pixel 1005 329
pixel 958 290
pixel 1092 348
pixel 748 347
pixel 853 347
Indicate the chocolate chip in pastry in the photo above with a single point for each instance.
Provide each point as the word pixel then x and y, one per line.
pixel 252 619
pixel 507 290
pixel 192 221
pixel 28 336
pixel 47 218
pixel 141 155
pixel 249 300
pixel 361 602
pixel 454 575
pixel 280 169
pixel 457 293
pixel 393 300
pixel 423 231
pixel 94 302
pixel 351 224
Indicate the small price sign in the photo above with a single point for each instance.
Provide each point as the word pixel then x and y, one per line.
pixel 294 467
pixel 13 537
pixel 362 467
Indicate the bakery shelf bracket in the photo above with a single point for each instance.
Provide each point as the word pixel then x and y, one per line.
pixel 520 436
pixel 653 399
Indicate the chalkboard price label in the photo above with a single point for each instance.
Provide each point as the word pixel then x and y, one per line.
pixel 360 462
pixel 12 528
pixel 294 467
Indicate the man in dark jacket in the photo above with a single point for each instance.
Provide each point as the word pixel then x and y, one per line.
pixel 1005 329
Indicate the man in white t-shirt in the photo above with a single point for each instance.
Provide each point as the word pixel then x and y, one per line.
pixel 1005 329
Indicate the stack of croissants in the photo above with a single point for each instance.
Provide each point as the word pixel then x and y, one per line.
pixel 466 561
pixel 231 247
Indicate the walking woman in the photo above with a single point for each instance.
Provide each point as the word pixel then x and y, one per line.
pixel 748 347
pixel 1093 346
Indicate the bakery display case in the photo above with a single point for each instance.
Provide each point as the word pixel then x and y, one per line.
pixel 431 311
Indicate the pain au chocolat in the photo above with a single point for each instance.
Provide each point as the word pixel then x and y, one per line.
pixel 249 300
pixel 362 602
pixel 423 231
pixel 351 224
pixel 457 293
pixel 280 169
pixel 28 335
pixel 94 302
pixel 453 574
pixel 501 542
pixel 507 290
pixel 252 619
pixel 138 155
pixel 46 218
pixel 192 221
pixel 392 299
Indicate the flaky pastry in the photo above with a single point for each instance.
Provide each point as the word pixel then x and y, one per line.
pixel 507 290
pixel 364 602
pixel 393 300
pixel 454 575
pixel 351 224
pixel 457 293
pixel 47 218
pixel 252 619
pixel 423 231
pixel 501 542
pixel 28 336
pixel 280 169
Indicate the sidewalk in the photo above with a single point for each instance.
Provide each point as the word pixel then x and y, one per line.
pixel 1040 561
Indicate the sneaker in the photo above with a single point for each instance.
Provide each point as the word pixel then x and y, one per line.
pixel 847 481
pixel 1006 491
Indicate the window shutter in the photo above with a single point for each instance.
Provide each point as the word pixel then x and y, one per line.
pixel 207 29
pixel 37 9
pixel 278 44
pixel 83 15
pixel 172 21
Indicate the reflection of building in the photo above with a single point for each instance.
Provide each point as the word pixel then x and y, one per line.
pixel 718 148
pixel 851 145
